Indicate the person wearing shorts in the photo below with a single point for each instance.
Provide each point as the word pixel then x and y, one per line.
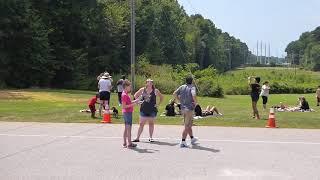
pixel 149 107
pixel 127 110
pixel 105 85
pixel 265 94
pixel 186 94
pixel 255 88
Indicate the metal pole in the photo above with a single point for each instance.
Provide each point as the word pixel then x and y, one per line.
pixel 257 51
pixel 261 52
pixel 265 53
pixel 230 59
pixel 133 44
pixel 269 57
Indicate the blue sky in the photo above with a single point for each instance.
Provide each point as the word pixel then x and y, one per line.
pixel 277 22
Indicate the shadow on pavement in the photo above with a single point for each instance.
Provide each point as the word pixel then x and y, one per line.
pixel 160 143
pixel 198 147
pixel 147 151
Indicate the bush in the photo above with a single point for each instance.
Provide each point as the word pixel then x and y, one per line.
pixel 207 87
pixel 167 78
pixel 238 90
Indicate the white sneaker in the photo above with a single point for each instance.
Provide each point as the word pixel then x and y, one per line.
pixel 194 140
pixel 183 144
pixel 220 114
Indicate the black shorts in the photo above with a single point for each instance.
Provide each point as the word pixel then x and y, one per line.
pixel 254 97
pixel 104 95
pixel 264 99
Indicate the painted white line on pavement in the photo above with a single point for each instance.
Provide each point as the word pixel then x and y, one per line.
pixel 172 139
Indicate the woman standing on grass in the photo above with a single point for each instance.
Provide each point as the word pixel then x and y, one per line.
pixel 255 89
pixel 148 109
pixel 265 94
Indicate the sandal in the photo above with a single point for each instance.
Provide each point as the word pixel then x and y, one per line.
pixel 136 140
pixel 132 145
pixel 124 145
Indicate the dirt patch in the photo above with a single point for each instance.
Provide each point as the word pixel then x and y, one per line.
pixel 13 95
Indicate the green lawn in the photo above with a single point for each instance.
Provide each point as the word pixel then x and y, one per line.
pixel 64 105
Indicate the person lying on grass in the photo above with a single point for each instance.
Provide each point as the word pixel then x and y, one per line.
pixel 209 111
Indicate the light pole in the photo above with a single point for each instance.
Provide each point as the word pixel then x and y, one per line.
pixel 228 48
pixel 132 57
pixel 230 61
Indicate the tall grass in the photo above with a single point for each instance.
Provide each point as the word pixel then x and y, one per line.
pixel 282 80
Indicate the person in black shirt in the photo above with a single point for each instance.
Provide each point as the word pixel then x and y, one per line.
pixel 255 91
pixel 304 104
pixel 170 109
pixel 198 110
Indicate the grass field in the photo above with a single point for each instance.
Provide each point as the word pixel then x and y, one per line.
pixel 64 105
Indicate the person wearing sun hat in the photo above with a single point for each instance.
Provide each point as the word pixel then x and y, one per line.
pixel 105 85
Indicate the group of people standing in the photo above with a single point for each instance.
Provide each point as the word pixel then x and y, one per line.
pixel 146 97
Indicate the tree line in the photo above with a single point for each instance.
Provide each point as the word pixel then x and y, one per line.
pixel 306 50
pixel 67 43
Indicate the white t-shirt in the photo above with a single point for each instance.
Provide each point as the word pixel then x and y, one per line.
pixel 105 85
pixel 193 91
pixel 318 92
pixel 265 91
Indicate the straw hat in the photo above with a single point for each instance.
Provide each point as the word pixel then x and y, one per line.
pixel 106 76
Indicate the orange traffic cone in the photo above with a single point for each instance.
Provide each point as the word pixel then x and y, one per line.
pixel 272 119
pixel 106 115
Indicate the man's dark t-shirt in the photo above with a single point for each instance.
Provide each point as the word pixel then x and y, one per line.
pixel 305 105
pixel 198 110
pixel 170 110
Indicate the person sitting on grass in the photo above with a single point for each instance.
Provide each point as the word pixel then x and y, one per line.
pixel 170 108
pixel 92 105
pixel 304 104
